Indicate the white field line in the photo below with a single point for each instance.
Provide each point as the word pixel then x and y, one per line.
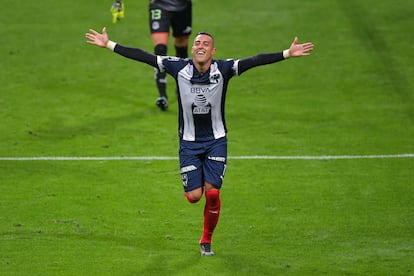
pixel 251 157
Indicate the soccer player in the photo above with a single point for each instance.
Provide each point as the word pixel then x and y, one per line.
pixel 201 90
pixel 117 11
pixel 163 15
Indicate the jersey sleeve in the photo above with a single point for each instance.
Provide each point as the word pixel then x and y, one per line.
pixel 136 54
pixel 171 65
pixel 245 64
pixel 228 67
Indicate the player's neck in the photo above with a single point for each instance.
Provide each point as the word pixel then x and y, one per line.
pixel 202 67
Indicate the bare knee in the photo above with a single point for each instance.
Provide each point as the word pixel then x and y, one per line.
pixel 194 195
pixel 160 38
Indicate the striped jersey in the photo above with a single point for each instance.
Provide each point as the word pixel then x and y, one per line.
pixel 201 97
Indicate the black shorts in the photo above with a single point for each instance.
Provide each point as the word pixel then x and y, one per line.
pixel 161 21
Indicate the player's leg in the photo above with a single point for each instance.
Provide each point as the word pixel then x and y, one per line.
pixel 211 216
pixel 191 170
pixel 181 24
pixel 160 41
pixel 181 46
pixel 214 168
pixel 159 26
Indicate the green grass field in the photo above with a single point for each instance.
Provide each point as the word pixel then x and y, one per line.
pixel 353 96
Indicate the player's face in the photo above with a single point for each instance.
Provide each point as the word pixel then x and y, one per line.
pixel 203 49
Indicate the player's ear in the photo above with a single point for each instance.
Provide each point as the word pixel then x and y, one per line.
pixel 214 51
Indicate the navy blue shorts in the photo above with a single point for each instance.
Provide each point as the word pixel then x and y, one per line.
pixel 203 162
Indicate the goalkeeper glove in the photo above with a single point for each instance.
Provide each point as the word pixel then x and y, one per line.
pixel 117 10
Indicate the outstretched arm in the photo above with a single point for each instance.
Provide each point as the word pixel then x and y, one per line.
pixel 295 50
pixel 102 40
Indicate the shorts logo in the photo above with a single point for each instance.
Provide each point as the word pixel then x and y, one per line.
pixel 184 171
pixel 218 159
pixel 188 169
pixel 187 30
pixel 155 25
pixel 184 179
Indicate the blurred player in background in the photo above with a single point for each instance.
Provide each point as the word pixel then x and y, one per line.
pixel 117 10
pixel 201 90
pixel 163 16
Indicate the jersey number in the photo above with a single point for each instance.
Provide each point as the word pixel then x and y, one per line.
pixel 156 14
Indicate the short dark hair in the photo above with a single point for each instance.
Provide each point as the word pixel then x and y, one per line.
pixel 207 34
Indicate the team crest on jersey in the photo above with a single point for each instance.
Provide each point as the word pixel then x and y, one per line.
pixel 214 78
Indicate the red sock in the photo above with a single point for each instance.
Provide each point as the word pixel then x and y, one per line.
pixel 211 214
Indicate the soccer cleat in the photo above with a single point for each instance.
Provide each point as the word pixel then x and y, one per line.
pixel 162 103
pixel 117 10
pixel 205 249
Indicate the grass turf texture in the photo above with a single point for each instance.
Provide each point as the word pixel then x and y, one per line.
pixel 353 95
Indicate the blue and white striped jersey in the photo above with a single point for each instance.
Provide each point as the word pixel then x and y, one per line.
pixel 201 98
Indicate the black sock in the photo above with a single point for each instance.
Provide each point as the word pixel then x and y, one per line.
pixel 181 52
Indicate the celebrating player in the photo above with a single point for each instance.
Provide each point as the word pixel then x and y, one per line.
pixel 201 90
